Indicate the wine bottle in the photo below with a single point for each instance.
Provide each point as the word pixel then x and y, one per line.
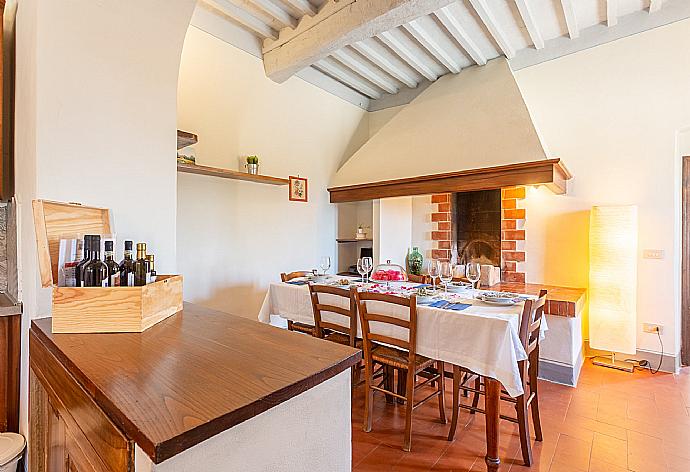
pixel 96 272
pixel 152 267
pixel 79 269
pixel 113 268
pixel 140 266
pixel 127 267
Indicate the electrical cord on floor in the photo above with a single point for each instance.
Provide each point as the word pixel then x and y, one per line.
pixel 644 364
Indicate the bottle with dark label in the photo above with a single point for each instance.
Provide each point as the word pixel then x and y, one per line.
pixel 79 269
pixel 140 266
pixel 152 267
pixel 127 267
pixel 113 268
pixel 96 272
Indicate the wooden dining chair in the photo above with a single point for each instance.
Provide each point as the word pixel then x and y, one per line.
pixel 530 330
pixel 341 326
pixel 397 352
pixel 294 325
pixel 419 279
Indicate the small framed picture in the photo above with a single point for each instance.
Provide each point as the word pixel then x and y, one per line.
pixel 298 189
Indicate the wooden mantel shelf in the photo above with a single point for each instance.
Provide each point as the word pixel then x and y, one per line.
pixel 230 174
pixel 185 139
pixel 548 172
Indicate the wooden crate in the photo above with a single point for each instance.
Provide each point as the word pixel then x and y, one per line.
pixel 96 309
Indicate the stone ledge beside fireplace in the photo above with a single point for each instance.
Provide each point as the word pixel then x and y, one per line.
pixel 560 301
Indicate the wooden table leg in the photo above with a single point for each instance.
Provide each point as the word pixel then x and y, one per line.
pixel 492 407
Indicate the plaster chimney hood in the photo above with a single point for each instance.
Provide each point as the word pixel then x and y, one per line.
pixel 470 131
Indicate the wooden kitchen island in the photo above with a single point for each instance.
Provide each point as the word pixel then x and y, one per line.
pixel 200 391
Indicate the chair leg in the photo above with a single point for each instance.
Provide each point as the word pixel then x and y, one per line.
pixel 523 426
pixel 369 396
pixel 402 385
pixel 533 386
pixel 409 403
pixel 475 397
pixel 456 401
pixel 389 382
pixel 441 393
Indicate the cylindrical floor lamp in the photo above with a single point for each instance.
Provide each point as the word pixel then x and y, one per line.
pixel 613 282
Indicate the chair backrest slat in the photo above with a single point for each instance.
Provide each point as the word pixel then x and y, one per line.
pixel 388 319
pixel 294 275
pixel 401 325
pixel 349 314
pixel 380 338
pixel 530 322
pixel 419 279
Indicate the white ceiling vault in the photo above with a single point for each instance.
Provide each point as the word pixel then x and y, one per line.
pixel 382 53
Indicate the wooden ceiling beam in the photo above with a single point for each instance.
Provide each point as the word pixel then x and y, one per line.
pixel 483 9
pixel 448 16
pixel 336 25
pixel 433 46
pixel 527 15
pixel 655 5
pixel 386 63
pixel 611 12
pixel 239 16
pixel 551 173
pixel 571 18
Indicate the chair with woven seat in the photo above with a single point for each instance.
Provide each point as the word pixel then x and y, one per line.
pixel 341 323
pixel 294 325
pixel 396 349
pixel 341 327
pixel 530 331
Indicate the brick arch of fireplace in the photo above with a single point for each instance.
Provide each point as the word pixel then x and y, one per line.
pixel 478 246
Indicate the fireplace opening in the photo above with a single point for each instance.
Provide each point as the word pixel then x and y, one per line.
pixel 476 220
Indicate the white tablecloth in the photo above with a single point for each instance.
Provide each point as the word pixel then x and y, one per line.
pixel 481 338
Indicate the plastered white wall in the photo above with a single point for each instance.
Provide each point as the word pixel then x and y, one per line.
pixel 392 229
pixel 95 118
pixel 309 432
pixel 462 121
pixel 234 238
pixel 612 114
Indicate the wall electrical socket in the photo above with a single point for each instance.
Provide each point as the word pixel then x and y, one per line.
pixel 652 328
pixel 653 254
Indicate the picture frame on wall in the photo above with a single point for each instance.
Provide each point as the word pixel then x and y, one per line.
pixel 298 189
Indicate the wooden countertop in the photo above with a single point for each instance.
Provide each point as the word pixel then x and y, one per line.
pixel 194 375
pixel 560 301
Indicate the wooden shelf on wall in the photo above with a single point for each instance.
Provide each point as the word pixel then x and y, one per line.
pixel 185 139
pixel 353 240
pixel 230 174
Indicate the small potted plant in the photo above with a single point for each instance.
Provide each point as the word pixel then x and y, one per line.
pixel 252 165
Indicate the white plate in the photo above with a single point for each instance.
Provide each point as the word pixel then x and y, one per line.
pixel 498 300
pixel 459 287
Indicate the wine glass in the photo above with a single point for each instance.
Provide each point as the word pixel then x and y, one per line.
pixel 360 268
pixel 473 274
pixel 325 264
pixel 445 273
pixel 433 269
pixel 367 265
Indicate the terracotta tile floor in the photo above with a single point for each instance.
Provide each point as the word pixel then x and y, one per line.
pixel 613 421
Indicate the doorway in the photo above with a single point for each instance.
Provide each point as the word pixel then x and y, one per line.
pixel 685 265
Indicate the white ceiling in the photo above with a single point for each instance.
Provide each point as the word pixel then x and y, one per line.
pixel 405 59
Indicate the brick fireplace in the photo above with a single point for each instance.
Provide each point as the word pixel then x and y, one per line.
pixel 482 239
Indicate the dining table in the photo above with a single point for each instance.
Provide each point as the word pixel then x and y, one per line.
pixel 456 327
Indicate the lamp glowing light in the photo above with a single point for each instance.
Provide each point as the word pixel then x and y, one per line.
pixel 613 280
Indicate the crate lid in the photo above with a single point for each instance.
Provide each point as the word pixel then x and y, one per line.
pixel 57 220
